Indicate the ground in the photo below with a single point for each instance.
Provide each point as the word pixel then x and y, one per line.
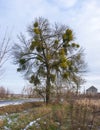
pixel 80 114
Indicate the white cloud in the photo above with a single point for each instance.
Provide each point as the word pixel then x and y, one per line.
pixel 65 3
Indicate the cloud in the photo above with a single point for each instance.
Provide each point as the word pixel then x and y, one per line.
pixel 20 13
pixel 82 16
pixel 65 3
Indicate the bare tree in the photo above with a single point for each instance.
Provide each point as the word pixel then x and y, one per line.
pixel 4 92
pixel 28 91
pixel 4 49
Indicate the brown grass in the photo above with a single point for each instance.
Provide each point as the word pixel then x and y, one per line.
pixel 18 108
pixel 90 102
pixel 73 115
pixel 1 122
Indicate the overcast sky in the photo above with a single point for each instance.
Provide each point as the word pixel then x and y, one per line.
pixel 82 16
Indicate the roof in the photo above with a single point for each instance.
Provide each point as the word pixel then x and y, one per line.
pixel 92 87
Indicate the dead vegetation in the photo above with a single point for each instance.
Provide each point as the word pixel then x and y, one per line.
pixel 82 114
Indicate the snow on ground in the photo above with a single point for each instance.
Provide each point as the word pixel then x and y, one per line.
pixel 20 101
pixel 10 103
pixel 33 123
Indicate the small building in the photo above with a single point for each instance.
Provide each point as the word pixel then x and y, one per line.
pixel 92 91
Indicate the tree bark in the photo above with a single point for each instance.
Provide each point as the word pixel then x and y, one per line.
pixel 48 86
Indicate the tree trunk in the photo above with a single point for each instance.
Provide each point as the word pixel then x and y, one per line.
pixel 47 94
pixel 48 87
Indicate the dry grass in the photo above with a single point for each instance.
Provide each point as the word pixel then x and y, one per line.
pixel 18 116
pixel 90 102
pixel 18 108
pixel 74 115
pixel 1 122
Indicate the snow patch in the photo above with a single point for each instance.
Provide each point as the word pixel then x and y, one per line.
pixel 32 123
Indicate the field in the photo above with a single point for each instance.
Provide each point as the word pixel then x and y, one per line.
pixel 82 114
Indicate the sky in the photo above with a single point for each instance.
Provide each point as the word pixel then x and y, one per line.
pixel 82 16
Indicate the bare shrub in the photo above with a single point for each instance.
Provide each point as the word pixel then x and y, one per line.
pixel 4 92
